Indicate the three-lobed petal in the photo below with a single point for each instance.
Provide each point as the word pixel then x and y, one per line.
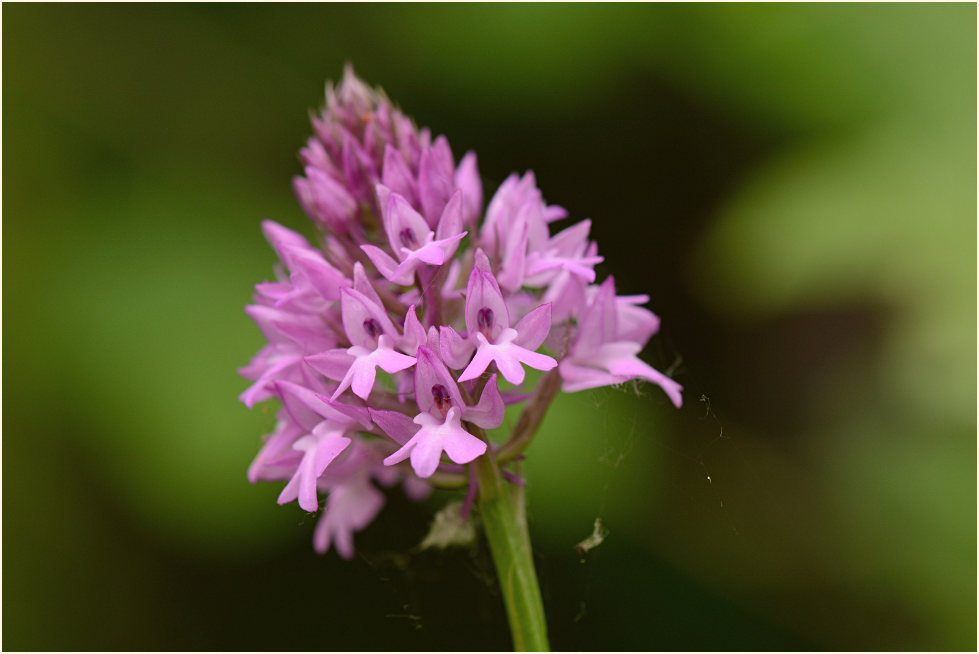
pixel 319 448
pixel 426 446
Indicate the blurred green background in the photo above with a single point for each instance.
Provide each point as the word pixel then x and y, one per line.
pixel 794 185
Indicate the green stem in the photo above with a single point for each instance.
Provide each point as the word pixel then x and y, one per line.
pixel 504 519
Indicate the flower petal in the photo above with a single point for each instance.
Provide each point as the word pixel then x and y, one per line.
pixel 320 448
pixel 481 360
pixel 467 179
pixel 404 226
pixel 358 168
pixel 325 200
pixel 395 424
pixel 514 259
pixel 534 327
pixel 463 447
pixel 275 448
pixel 362 284
pixel 396 175
pixel 597 324
pixel 535 360
pixel 429 373
pixel 456 351
pixel 576 377
pixel 357 311
pixel 414 332
pixel 303 405
pixel 435 180
pixel 324 278
pixel 489 411
pixel 360 377
pixel 332 364
pixel 386 265
pixel 349 507
pixel 483 293
pixel 450 223
pixel 631 367
pixel 390 361
pixel 427 445
pixel 635 323
pixel 279 236
pixel 426 454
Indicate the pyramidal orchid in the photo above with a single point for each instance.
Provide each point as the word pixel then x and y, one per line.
pixel 391 334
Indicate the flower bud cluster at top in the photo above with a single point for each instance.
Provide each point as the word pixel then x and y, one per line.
pixel 408 274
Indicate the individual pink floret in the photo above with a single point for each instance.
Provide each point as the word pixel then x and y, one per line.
pixel 437 428
pixel 599 358
pixel 489 332
pixel 411 239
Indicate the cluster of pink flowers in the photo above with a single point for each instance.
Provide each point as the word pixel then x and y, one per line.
pixel 409 275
